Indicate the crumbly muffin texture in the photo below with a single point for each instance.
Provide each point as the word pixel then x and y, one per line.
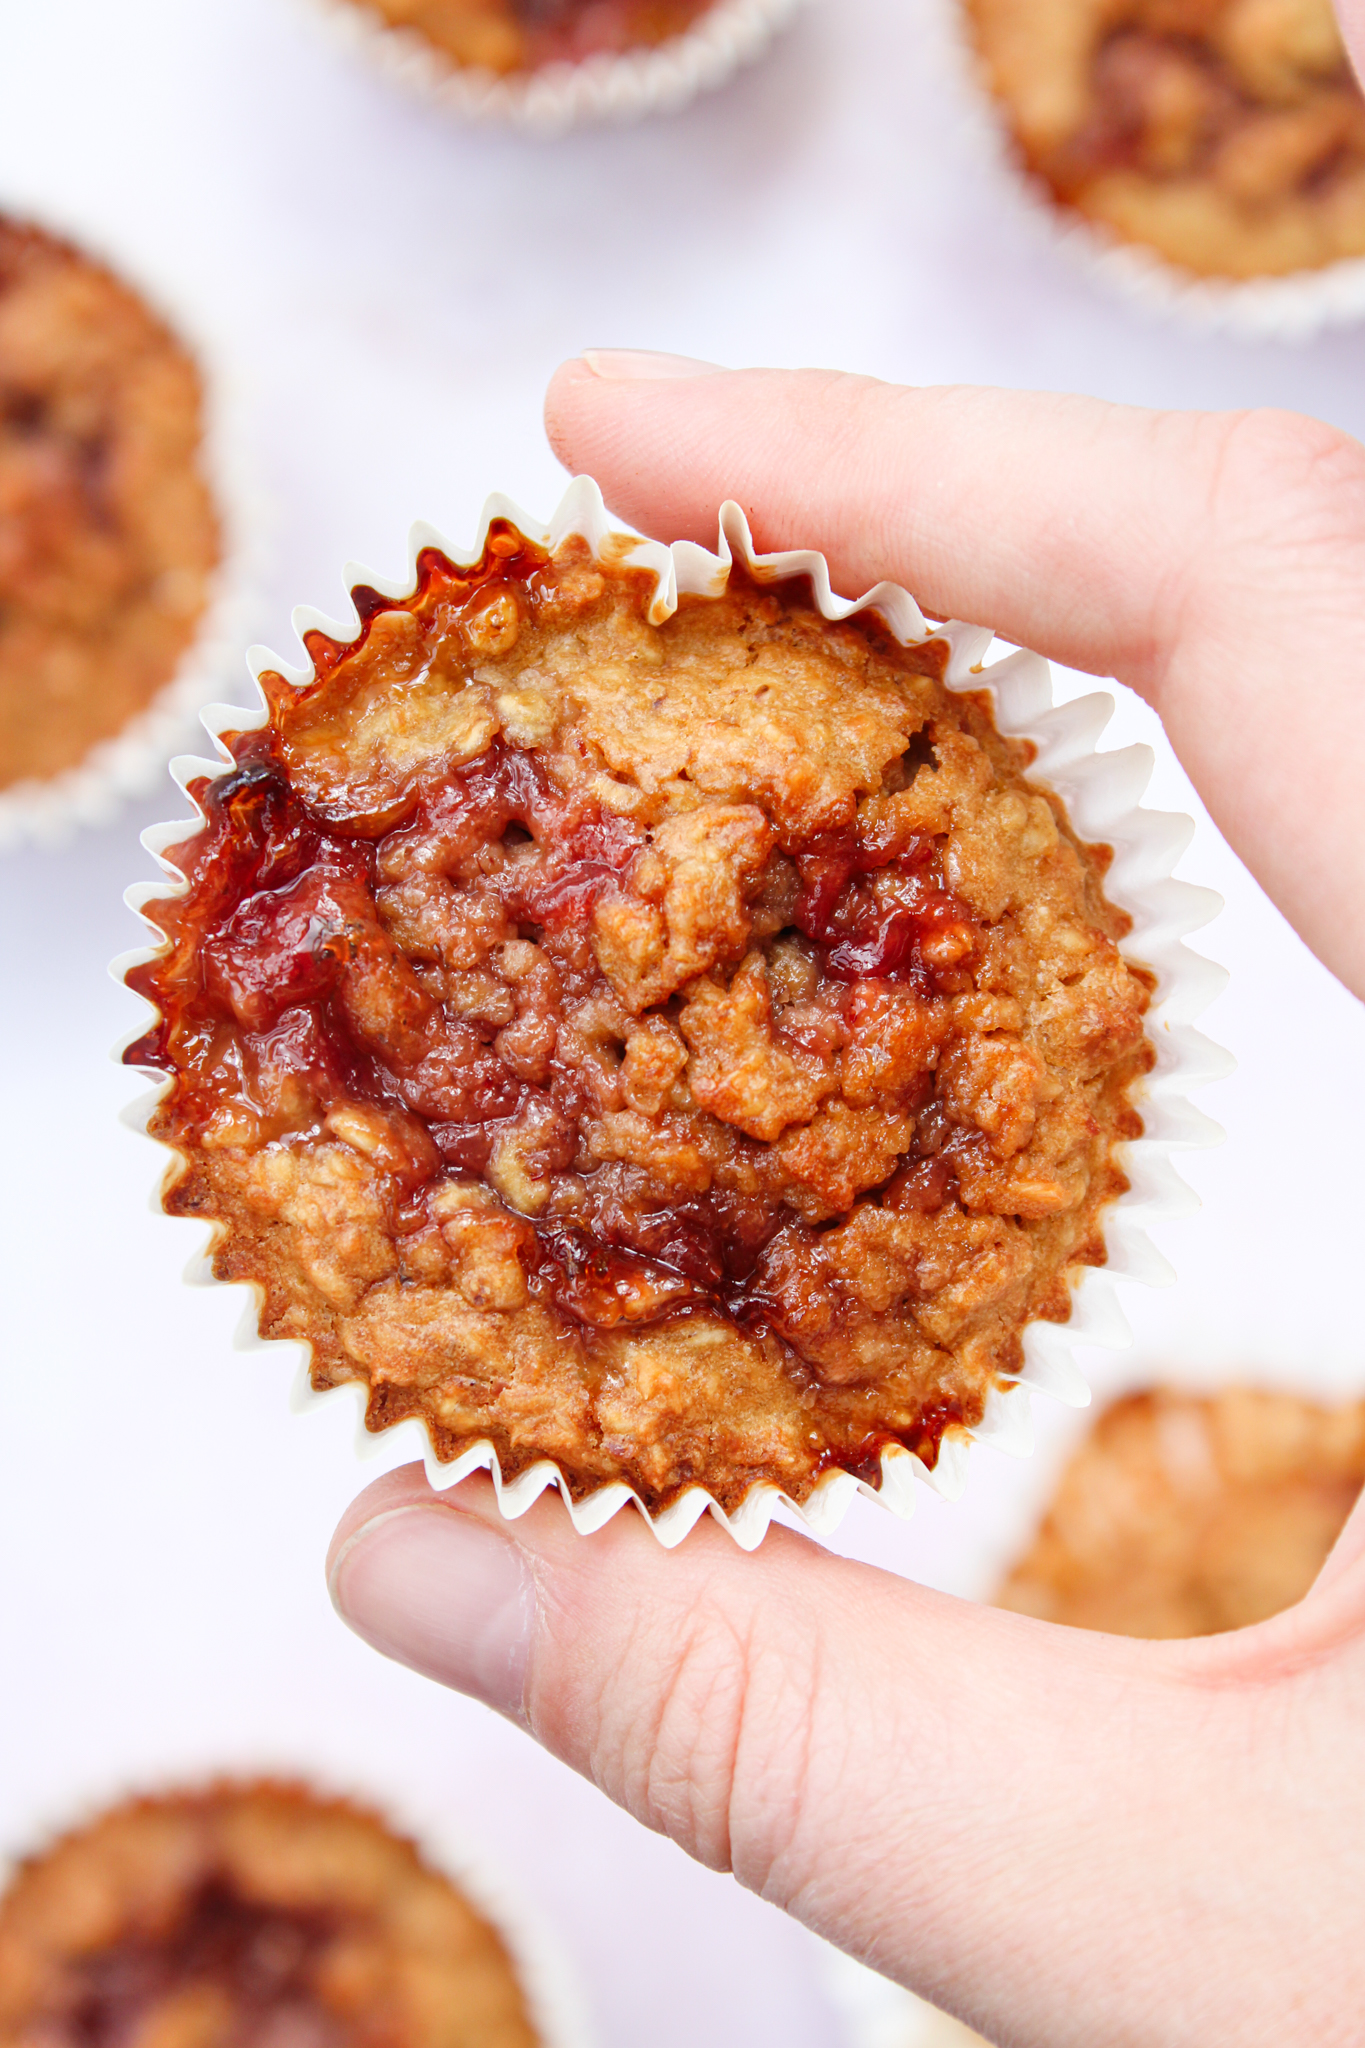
pixel 687 1052
pixel 522 35
pixel 1228 135
pixel 108 534
pixel 1184 1516
pixel 248 1916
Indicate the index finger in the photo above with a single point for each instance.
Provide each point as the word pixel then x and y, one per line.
pixel 1214 561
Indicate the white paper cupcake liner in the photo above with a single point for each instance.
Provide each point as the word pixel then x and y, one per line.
pixel 1292 308
pixel 553 1997
pixel 93 790
pixel 1101 793
pixel 558 97
pixel 875 2013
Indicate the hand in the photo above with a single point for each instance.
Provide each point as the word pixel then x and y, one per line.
pixel 1064 1838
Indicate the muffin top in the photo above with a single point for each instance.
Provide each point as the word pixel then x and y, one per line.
pixel 686 1051
pixel 108 534
pixel 1227 135
pixel 522 35
pixel 248 1916
pixel 1182 1516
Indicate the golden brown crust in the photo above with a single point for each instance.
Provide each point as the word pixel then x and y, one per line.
pixel 1181 1516
pixel 1228 135
pixel 522 35
pixel 247 1914
pixel 690 1053
pixel 108 534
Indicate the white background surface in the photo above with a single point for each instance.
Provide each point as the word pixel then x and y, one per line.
pixel 393 294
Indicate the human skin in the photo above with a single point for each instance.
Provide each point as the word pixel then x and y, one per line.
pixel 1351 15
pixel 1064 1838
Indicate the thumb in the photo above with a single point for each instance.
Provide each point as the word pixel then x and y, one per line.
pixel 928 1784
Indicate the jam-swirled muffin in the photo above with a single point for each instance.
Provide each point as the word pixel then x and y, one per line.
pixel 510 36
pixel 248 1916
pixel 686 1051
pixel 1227 135
pixel 108 532
pixel 1183 1515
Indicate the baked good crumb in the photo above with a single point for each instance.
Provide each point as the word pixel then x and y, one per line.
pixel 506 36
pixel 1183 1515
pixel 249 1914
pixel 1227 135
pixel 108 533
pixel 689 1053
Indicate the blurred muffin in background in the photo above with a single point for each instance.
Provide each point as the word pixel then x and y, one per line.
pixel 522 35
pixel 1226 135
pixel 255 1913
pixel 1182 1516
pixel 108 532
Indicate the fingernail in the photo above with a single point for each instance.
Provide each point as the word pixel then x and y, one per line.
pixel 441 1592
pixel 643 365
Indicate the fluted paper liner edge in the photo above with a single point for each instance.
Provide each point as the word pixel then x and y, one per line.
pixel 1101 793
pixel 557 97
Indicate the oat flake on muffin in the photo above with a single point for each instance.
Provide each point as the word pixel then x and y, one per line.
pixel 248 1914
pixel 1226 135
pixel 687 1052
pixel 108 533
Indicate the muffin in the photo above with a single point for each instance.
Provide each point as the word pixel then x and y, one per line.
pixel 1226 135
pixel 248 1913
pixel 687 1049
pixel 108 532
pixel 508 36
pixel 1182 1516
